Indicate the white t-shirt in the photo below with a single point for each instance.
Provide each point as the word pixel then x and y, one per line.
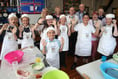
pixel 81 29
pixel 69 17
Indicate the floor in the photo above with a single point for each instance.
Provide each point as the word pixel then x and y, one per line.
pixel 69 61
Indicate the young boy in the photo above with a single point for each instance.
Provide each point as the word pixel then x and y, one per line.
pixel 83 44
pixel 51 48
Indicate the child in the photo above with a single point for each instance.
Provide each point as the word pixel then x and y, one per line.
pixel 10 38
pixel 72 39
pixel 107 41
pixel 64 33
pixel 94 38
pixel 83 44
pixel 51 48
pixel 26 32
pixel 50 22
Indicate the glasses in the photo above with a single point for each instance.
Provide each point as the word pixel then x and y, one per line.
pixel 40 23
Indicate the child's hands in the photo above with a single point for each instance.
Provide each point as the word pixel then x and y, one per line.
pixel 5 26
pixel 54 22
pixel 74 22
pixel 114 23
pixel 44 43
pixel 32 29
pixel 97 24
pixel 20 28
pixel 14 30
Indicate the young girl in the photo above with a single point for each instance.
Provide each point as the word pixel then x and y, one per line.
pixel 107 41
pixel 49 22
pixel 64 33
pixel 26 32
pixel 10 38
pixel 51 48
pixel 94 38
pixel 83 44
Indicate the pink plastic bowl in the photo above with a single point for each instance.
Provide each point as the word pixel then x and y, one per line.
pixel 14 56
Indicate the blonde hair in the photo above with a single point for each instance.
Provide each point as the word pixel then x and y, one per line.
pixel 44 12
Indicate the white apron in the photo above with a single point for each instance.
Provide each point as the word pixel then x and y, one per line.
pixel 9 44
pixel 64 34
pixel 52 53
pixel 27 40
pixel 83 44
pixel 107 42
pixel 43 37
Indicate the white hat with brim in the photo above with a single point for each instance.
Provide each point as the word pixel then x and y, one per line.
pixel 110 16
pixel 49 29
pixel 12 15
pixel 25 15
pixel 62 16
pixel 49 17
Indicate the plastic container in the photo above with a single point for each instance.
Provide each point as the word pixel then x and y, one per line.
pixel 105 66
pixel 55 74
pixel 115 57
pixel 14 56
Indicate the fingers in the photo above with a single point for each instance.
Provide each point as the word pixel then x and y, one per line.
pixel 44 43
pixel 14 30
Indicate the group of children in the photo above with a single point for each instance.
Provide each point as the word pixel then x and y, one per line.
pixel 55 33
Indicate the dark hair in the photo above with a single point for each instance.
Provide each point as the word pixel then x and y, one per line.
pixel 86 14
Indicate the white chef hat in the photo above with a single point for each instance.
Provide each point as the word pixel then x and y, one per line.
pixel 24 15
pixel 50 28
pixel 12 15
pixel 62 16
pixel 110 16
pixel 49 17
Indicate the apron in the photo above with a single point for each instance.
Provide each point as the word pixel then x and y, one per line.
pixel 64 34
pixel 83 45
pixel 107 42
pixel 9 44
pixel 52 54
pixel 43 37
pixel 27 40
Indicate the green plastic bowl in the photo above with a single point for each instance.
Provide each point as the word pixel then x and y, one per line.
pixel 55 74
pixel 115 57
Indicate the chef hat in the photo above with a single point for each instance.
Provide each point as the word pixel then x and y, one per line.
pixel 49 17
pixel 12 15
pixel 110 16
pixel 25 15
pixel 62 16
pixel 50 28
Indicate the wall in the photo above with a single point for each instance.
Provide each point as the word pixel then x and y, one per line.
pixel 51 4
pixel 95 4
pixel 92 4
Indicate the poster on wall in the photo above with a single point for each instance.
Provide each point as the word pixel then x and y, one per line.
pixel 31 6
